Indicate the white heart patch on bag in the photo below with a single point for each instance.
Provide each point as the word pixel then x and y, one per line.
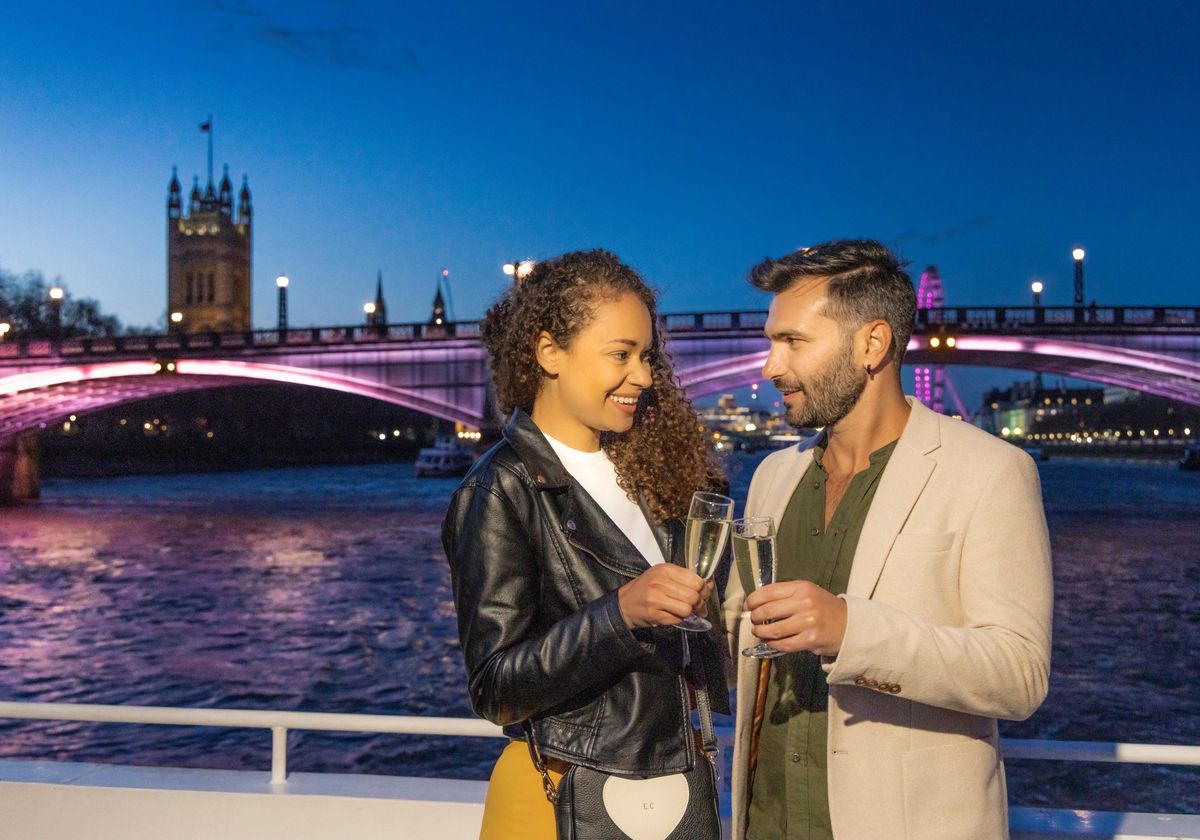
pixel 646 809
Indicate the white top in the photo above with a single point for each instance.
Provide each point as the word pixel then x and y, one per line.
pixel 597 475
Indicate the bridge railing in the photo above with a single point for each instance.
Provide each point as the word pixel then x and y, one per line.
pixel 1017 319
pixel 1003 319
pixel 250 339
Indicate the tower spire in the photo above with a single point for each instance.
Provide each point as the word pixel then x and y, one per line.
pixel 379 316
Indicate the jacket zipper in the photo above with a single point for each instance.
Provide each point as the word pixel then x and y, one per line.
pixel 681 682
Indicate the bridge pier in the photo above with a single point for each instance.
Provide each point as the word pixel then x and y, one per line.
pixel 20 468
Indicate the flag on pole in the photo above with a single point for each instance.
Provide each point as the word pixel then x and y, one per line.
pixel 206 126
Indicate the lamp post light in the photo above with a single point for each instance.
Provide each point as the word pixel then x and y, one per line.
pixel 1036 287
pixel 4 328
pixel 176 318
pixel 282 282
pixel 369 311
pixel 1078 255
pixel 518 269
pixel 56 299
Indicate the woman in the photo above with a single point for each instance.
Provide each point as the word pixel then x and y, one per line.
pixel 564 541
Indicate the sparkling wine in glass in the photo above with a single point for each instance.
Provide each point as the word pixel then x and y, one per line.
pixel 754 548
pixel 705 536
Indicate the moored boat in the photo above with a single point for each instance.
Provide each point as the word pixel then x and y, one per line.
pixel 1190 460
pixel 447 457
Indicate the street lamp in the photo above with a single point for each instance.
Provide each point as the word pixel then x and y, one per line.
pixel 4 328
pixel 282 282
pixel 369 309
pixel 56 299
pixel 1078 255
pixel 1036 287
pixel 518 269
pixel 176 317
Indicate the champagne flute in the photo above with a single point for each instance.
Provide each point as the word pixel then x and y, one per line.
pixel 754 546
pixel 705 536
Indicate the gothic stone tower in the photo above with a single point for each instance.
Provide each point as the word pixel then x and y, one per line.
pixel 208 258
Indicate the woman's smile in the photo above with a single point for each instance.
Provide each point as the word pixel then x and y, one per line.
pixel 626 403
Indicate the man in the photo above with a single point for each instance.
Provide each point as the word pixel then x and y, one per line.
pixel 913 592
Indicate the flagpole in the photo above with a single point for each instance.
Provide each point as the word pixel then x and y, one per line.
pixel 210 144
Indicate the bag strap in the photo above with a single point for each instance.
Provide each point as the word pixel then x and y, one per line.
pixel 539 763
pixel 708 735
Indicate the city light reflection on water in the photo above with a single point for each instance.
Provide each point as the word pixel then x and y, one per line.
pixel 325 589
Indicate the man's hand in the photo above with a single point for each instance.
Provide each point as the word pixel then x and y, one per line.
pixel 803 616
pixel 663 594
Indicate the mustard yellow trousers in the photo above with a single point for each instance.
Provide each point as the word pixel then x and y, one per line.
pixel 516 807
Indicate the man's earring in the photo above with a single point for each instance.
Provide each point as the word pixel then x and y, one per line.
pixel 870 373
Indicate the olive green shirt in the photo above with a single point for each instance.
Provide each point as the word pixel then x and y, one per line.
pixel 790 794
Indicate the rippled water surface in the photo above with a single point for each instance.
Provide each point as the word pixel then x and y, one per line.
pixel 325 589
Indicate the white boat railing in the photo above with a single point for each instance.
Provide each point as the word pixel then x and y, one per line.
pixel 1034 822
pixel 277 721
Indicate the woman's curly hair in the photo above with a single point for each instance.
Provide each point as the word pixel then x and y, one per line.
pixel 665 456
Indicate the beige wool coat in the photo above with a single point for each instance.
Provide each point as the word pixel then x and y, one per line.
pixel 948 629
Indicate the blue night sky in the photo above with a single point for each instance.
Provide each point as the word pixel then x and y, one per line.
pixel 692 138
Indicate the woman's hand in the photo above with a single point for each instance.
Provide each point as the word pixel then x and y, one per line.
pixel 662 595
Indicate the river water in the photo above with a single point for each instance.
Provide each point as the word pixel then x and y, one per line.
pixel 325 589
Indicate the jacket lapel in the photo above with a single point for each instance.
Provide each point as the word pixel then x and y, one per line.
pixel 903 479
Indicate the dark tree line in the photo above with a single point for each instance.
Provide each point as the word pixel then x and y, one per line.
pixel 26 307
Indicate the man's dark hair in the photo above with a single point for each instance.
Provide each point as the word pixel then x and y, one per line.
pixel 866 283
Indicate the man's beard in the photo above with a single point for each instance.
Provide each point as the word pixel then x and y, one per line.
pixel 831 394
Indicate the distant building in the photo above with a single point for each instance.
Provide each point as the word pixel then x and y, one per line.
pixel 377 317
pixel 732 426
pixel 208 258
pixel 1026 405
pixel 438 317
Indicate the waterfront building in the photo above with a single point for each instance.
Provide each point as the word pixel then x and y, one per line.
pixel 208 257
pixel 1023 407
pixel 734 426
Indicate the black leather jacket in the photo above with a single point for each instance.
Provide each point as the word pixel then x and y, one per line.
pixel 536 565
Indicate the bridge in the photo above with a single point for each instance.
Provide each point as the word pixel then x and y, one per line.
pixel 442 371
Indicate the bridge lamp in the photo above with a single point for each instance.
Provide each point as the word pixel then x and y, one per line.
pixel 282 283
pixel 369 309
pixel 951 341
pixel 935 342
pixel 1078 254
pixel 4 328
pixel 56 299
pixel 176 317
pixel 518 269
pixel 1036 287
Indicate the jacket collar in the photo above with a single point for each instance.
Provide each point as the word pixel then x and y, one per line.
pixel 582 521
pixel 535 453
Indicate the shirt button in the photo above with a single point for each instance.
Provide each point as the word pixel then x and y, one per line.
pixel 570 524
pixel 813 532
pixel 816 485
pixel 795 758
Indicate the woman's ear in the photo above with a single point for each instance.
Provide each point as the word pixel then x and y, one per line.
pixel 547 352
